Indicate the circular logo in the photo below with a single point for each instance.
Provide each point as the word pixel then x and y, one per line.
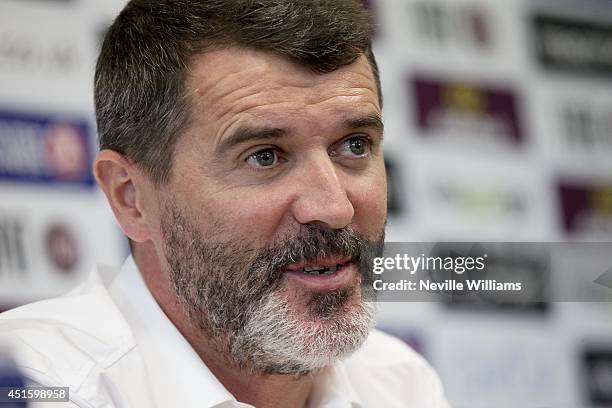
pixel 66 152
pixel 62 248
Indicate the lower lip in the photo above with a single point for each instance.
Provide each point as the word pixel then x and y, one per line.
pixel 339 279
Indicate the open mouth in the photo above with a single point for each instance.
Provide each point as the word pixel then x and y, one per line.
pixel 322 270
pixel 325 266
pixel 323 274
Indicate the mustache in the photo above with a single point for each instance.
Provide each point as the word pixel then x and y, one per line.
pixel 314 242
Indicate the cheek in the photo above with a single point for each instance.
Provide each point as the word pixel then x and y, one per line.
pixel 251 215
pixel 369 198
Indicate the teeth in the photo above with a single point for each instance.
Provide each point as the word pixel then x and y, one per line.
pixel 317 270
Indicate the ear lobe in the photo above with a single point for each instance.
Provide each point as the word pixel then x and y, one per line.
pixel 120 181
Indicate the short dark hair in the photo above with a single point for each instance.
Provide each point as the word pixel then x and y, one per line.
pixel 139 90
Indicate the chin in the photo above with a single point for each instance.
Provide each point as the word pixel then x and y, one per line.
pixel 298 335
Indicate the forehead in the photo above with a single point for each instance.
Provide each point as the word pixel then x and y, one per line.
pixel 232 83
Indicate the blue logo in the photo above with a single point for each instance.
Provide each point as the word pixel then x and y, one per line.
pixel 44 149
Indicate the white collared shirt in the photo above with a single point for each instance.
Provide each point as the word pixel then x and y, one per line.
pixel 112 345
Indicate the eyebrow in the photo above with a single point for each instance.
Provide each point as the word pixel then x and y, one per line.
pixel 246 134
pixel 371 120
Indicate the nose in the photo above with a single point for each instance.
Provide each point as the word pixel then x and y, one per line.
pixel 321 197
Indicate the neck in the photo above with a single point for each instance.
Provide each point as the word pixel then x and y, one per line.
pixel 259 390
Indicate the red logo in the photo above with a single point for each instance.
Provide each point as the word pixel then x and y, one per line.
pixel 66 152
pixel 62 248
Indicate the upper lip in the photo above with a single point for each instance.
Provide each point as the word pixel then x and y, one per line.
pixel 323 263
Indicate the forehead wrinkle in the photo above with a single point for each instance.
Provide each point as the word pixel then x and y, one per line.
pixel 219 91
pixel 264 93
pixel 346 98
pixel 283 80
pixel 223 99
pixel 251 68
pixel 235 113
pixel 238 118
pixel 207 92
pixel 231 63
pixel 297 102
pixel 316 121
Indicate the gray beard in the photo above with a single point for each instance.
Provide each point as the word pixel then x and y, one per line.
pixel 233 292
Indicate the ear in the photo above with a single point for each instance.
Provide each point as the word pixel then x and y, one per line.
pixel 125 189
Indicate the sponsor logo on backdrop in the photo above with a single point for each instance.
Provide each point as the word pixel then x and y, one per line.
pixel 598 381
pixel 14 259
pixel 62 249
pixel 452 24
pixel 25 247
pixel 586 208
pixel 44 149
pixel 587 127
pixel 22 52
pixel 573 45
pixel 480 200
pixel 470 111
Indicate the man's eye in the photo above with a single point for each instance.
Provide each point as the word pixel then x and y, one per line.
pixel 263 158
pixel 357 146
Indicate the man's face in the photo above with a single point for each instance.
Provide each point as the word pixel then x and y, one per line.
pixel 277 202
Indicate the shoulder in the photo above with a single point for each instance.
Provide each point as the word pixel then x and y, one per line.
pixel 387 368
pixel 382 349
pixel 63 341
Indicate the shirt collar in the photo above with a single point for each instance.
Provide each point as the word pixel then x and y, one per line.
pixel 178 376
pixel 332 388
